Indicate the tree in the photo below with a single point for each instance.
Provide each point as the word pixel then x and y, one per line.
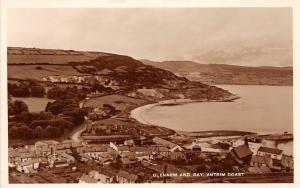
pixel 13 132
pixel 41 123
pixel 25 132
pixel 38 132
pixel 77 115
pixel 21 91
pixel 24 117
pixel 45 116
pixel 17 107
pixel 52 132
pixel 55 108
pixel 20 130
pixel 62 123
pixel 37 91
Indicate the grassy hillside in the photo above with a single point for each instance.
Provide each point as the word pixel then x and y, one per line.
pixel 228 74
pixel 37 72
pixel 17 55
pixel 125 72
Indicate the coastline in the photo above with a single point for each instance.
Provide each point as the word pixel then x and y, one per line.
pixel 137 114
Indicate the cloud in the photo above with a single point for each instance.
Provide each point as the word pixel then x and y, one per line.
pixel 229 35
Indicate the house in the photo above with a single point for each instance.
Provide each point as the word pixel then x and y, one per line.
pixel 139 149
pixel 259 161
pixel 105 158
pixel 13 154
pixel 62 151
pixel 161 150
pixel 273 153
pixel 253 146
pixel 119 148
pixel 144 156
pixel 87 179
pixel 196 148
pixel 241 154
pixel 276 164
pixel 287 162
pixel 126 177
pixel 28 166
pixel 46 146
pixel 94 151
pixel 26 156
pixel 60 160
pixel 103 176
pixel 129 142
pixel 172 146
pixel 66 144
pixel 177 156
pixel 84 157
pixel 60 163
pixel 100 129
pixel 128 160
pixel 43 160
pixel 44 152
pixel 258 170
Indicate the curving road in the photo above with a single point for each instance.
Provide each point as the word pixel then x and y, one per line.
pixel 75 135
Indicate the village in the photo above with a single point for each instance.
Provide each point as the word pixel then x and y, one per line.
pixel 134 161
pixel 82 79
pixel 113 147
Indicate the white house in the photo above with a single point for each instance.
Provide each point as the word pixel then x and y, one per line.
pixel 29 166
pixel 172 146
pixel 273 153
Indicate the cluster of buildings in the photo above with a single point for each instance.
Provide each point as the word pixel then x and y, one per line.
pixel 259 158
pixel 50 154
pixel 82 79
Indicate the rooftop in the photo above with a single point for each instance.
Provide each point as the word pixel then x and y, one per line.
pixel 242 151
pixel 270 150
pixel 164 142
pixel 127 175
pixel 260 159
pixel 88 179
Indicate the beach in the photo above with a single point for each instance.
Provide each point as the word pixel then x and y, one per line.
pixel 137 113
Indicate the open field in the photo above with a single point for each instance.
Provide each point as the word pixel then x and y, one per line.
pixel 38 71
pixel 17 55
pixel 57 59
pixel 120 102
pixel 35 104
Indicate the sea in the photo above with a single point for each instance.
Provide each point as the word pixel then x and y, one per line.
pixel 260 109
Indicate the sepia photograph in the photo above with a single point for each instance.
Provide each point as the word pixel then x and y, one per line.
pixel 150 95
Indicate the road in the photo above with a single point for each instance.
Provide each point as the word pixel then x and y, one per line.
pixel 75 135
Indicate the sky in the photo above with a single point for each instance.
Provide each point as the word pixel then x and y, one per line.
pixel 238 36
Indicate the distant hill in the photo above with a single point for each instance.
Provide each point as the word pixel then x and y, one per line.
pixel 227 74
pixel 125 72
pixel 19 55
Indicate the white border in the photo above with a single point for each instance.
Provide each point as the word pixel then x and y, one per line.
pixel 144 3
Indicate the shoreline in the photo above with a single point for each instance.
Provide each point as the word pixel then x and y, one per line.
pixel 137 114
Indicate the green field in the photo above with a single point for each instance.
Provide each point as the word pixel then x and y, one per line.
pixel 31 71
pixel 120 102
pixel 35 104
